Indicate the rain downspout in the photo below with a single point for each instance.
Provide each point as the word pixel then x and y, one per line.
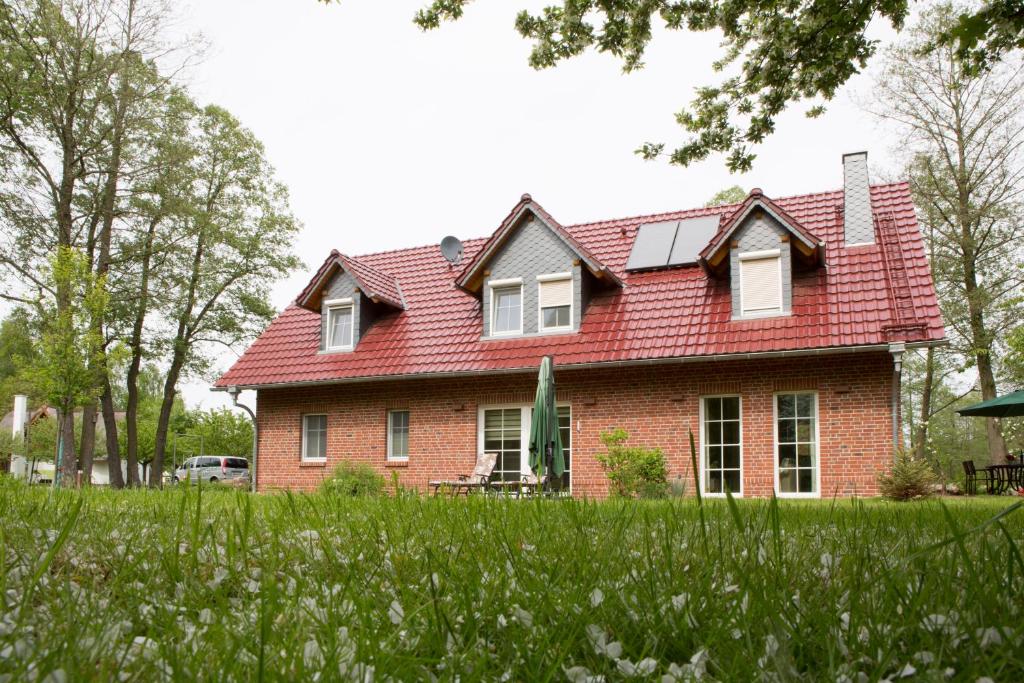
pixel 896 349
pixel 234 391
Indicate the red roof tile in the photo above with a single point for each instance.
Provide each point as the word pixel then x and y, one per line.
pixel 661 314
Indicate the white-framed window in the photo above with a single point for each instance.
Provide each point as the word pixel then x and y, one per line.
pixel 506 307
pixel 314 437
pixel 761 283
pixel 721 438
pixel 398 435
pixel 554 296
pixel 505 430
pixel 340 314
pixel 797 470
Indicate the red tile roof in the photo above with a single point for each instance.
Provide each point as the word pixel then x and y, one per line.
pixel 375 284
pixel 657 315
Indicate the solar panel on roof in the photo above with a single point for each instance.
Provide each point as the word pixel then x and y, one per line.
pixel 670 243
pixel 652 245
pixel 692 235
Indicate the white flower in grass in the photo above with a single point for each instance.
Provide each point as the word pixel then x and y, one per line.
pixel 596 597
pixel 989 636
pixel 599 640
pixel 907 671
pixel 925 657
pixel 679 601
pixel 646 666
pixel 502 621
pixel 395 612
pixel 219 574
pixel 206 616
pixel 56 676
pixel 984 679
pixel 312 655
pixel 523 617
pixel 581 674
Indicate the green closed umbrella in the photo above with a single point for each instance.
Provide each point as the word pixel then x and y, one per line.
pixel 545 440
pixel 1011 405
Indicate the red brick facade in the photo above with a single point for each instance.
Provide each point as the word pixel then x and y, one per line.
pixel 657 404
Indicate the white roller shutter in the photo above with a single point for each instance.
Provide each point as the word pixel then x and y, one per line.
pixel 761 285
pixel 556 293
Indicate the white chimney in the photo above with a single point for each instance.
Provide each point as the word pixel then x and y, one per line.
pixel 858 221
pixel 20 416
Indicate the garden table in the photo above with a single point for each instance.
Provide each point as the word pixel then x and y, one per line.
pixel 1005 478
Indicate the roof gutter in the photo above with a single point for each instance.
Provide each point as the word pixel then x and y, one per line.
pixel 794 353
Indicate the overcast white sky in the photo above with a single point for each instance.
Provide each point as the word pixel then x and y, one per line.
pixel 389 137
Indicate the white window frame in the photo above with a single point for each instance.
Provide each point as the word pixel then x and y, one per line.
pixel 338 305
pixel 524 436
pixel 703 456
pixel 817 444
pixel 556 277
pixel 304 457
pixel 506 284
pixel 390 455
pixel 757 256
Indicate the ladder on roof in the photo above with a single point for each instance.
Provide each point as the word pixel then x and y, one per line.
pixel 905 325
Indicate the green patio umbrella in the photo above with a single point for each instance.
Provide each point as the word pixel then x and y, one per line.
pixel 1011 405
pixel 545 440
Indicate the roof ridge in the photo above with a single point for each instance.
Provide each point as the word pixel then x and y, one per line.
pixel 621 219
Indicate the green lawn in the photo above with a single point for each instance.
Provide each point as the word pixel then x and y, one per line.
pixel 222 585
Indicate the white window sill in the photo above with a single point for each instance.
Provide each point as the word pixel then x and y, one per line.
pixel 720 495
pixel 761 316
pixel 338 349
pixel 312 462
pixel 531 335
pixel 797 495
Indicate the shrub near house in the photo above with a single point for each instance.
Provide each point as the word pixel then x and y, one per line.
pixel 769 328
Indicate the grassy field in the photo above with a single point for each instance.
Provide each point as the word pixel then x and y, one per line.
pixel 219 585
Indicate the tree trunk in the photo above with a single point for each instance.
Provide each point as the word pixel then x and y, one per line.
pixel 88 449
pixel 110 431
pixel 131 417
pixel 164 420
pixel 69 464
pixel 921 435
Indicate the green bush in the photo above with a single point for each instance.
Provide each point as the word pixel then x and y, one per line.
pixel 907 479
pixel 354 479
pixel 634 471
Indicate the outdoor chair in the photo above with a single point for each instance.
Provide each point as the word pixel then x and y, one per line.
pixel 527 486
pixel 972 475
pixel 464 483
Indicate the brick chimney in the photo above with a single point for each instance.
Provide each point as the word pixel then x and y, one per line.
pixel 858 223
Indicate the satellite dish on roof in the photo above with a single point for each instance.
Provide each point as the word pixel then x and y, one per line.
pixel 451 249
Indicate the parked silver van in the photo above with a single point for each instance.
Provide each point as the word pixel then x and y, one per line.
pixel 212 468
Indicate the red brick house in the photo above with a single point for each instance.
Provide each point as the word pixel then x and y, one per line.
pixel 773 329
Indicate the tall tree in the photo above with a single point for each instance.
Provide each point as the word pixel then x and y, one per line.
pixel 67 370
pixel 964 134
pixel 777 54
pixel 729 195
pixel 236 236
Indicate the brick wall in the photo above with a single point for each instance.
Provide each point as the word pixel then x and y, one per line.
pixel 657 404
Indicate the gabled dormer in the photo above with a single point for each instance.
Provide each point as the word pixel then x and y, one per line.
pixel 757 249
pixel 349 296
pixel 532 276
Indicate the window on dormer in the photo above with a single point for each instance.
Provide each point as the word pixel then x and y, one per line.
pixel 761 283
pixel 507 308
pixel 555 296
pixel 339 324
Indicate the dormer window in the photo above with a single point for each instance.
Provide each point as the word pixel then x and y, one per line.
pixel 761 283
pixel 554 293
pixel 507 307
pixel 339 324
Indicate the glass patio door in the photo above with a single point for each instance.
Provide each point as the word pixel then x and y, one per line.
pixel 505 430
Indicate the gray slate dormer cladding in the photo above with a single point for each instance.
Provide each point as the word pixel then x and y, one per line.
pixel 761 233
pixel 344 286
pixel 533 250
